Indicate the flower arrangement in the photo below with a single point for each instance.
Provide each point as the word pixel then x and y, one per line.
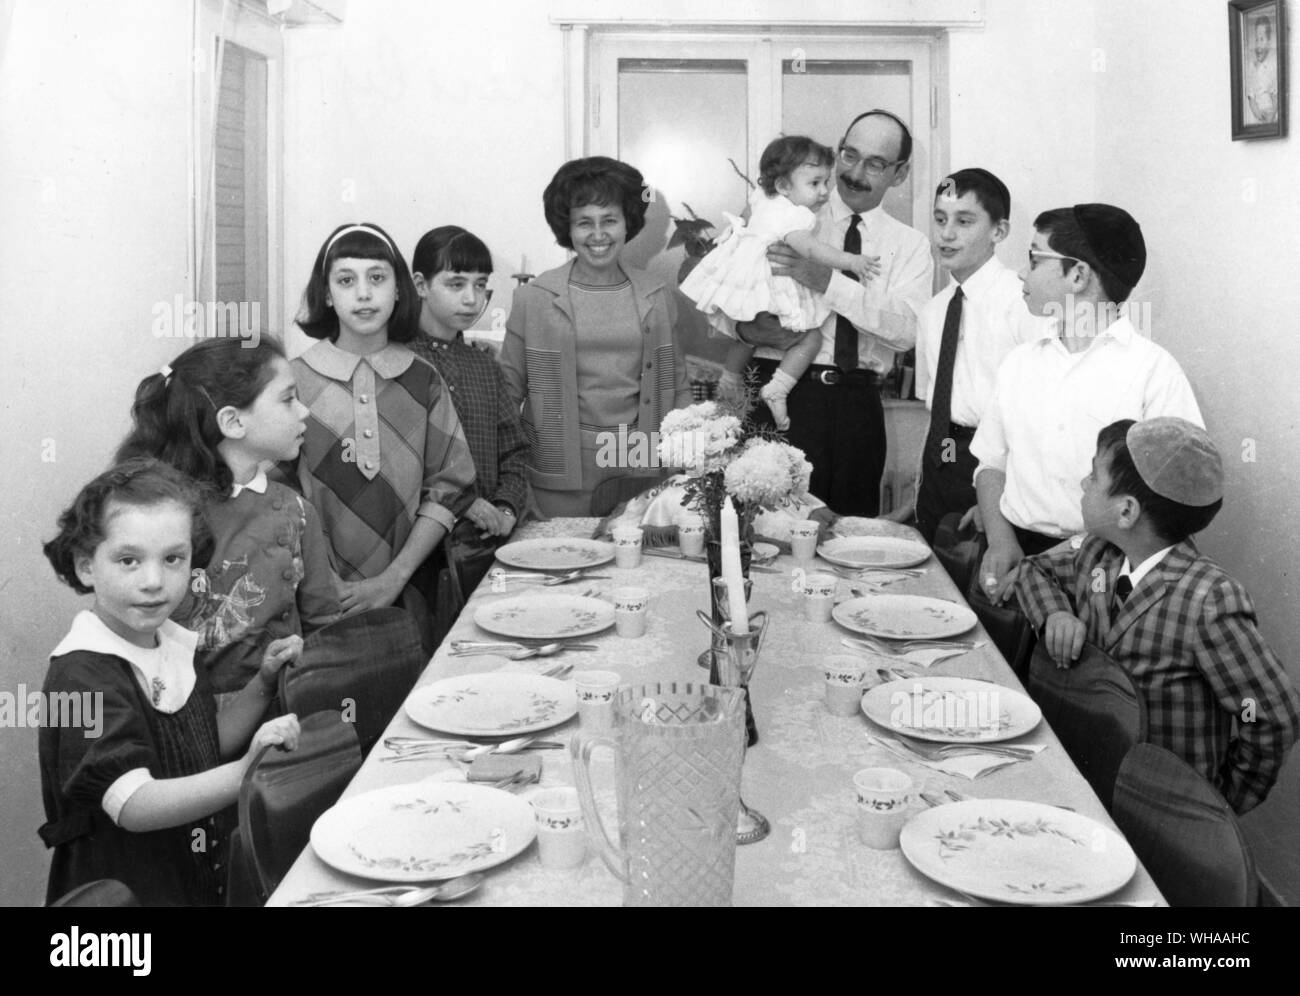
pixel 721 457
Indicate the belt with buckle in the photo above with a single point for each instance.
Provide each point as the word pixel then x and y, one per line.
pixel 834 375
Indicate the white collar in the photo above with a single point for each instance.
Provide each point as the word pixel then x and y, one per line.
pixel 1136 574
pixel 842 212
pixel 164 672
pixel 256 485
pixel 982 280
pixel 338 364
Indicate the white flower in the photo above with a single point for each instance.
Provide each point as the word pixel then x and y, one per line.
pixel 698 438
pixel 768 473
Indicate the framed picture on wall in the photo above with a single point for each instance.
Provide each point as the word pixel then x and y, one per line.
pixel 1258 51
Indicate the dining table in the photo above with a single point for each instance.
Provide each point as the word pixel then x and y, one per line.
pixel 799 774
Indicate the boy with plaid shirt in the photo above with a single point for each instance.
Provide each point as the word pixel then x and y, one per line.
pixel 1184 630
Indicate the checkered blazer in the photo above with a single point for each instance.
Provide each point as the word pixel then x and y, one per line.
pixel 1215 694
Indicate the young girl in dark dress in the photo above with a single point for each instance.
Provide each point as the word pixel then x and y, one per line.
pixel 138 792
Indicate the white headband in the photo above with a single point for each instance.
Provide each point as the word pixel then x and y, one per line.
pixel 370 229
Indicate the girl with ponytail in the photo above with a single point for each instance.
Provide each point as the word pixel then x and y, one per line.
pixel 222 412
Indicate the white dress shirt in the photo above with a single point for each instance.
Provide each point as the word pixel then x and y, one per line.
pixel 1048 406
pixel 885 308
pixel 994 320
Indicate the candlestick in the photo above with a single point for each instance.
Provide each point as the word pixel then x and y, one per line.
pixel 731 568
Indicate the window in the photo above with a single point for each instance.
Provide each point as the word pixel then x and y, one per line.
pixel 235 266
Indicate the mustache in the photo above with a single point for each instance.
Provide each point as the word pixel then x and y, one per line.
pixel 853 184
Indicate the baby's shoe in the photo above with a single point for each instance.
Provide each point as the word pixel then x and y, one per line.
pixel 774 397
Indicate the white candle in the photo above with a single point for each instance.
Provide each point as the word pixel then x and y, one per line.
pixel 731 569
pixel 523 264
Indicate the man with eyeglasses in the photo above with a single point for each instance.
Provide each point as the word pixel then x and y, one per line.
pixel 1091 367
pixel 836 416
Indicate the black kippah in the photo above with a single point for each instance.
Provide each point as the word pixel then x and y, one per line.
pixel 1115 240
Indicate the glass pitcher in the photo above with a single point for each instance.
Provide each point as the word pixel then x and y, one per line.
pixel 678 749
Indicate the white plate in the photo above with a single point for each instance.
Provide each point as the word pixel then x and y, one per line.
pixel 1018 852
pixel 904 617
pixel 951 710
pixel 545 617
pixel 555 554
pixel 423 831
pixel 874 551
pixel 493 704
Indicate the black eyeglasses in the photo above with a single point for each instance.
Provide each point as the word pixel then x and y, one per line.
pixel 874 165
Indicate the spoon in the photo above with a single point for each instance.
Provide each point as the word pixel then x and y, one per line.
pixel 401 895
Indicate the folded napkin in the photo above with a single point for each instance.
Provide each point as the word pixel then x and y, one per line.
pixel 966 765
pixel 495 767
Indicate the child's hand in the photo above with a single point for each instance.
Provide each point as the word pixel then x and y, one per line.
pixel 972 516
pixel 279 652
pixel 1063 635
pixel 998 571
pixel 490 520
pixel 372 593
pixel 280 732
pixel 866 267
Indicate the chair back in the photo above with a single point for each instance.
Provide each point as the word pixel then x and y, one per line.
pixel 281 796
pixel 1183 831
pixel 1093 707
pixel 364 666
pixel 1008 627
pixel 102 893
pixel 958 550
pixel 607 495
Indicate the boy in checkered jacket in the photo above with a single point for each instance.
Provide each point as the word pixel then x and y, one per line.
pixel 1183 629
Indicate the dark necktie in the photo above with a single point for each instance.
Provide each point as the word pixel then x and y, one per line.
pixel 1123 588
pixel 941 397
pixel 846 336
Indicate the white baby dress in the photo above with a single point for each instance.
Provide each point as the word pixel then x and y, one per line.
pixel 735 280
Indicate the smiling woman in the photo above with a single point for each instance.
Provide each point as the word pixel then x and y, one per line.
pixel 591 347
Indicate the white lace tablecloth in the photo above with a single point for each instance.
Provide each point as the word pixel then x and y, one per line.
pixel 799 774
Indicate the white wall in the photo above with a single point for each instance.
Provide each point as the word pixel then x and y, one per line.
pixel 1221 220
pixel 94 126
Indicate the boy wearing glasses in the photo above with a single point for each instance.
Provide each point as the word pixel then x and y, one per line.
pixel 964 334
pixel 835 412
pixel 1089 369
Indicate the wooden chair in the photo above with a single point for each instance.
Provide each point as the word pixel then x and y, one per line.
pixel 1094 709
pixel 1183 831
pixel 958 550
pixel 281 796
pixel 364 665
pixel 608 494
pixel 461 572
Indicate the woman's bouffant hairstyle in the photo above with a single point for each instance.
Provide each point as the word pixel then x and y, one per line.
pixel 175 413
pixel 140 483
pixel 450 249
pixel 786 154
pixel 597 180
pixel 361 241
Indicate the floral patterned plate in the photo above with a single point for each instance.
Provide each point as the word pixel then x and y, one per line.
pixel 545 617
pixel 951 710
pixel 423 831
pixel 874 551
pixel 560 554
pixel 904 617
pixel 1018 852
pixel 493 704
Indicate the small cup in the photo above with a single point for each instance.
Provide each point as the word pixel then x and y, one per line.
pixel 631 609
pixel 844 678
pixel 627 546
pixel 561 836
pixel 803 540
pixel 690 536
pixel 884 796
pixel 819 596
pixel 595 691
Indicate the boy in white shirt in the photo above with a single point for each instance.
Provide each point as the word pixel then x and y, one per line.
pixel 1053 395
pixel 964 333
